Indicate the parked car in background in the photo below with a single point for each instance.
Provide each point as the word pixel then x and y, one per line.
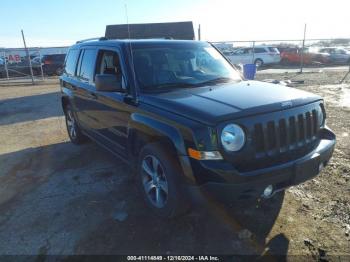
pixel 294 56
pixel 53 64
pixel 36 60
pixel 19 69
pixel 337 55
pixel 262 55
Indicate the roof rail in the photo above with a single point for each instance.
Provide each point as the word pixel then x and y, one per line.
pixel 92 39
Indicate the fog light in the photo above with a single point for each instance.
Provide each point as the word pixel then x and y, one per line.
pixel 320 167
pixel 268 191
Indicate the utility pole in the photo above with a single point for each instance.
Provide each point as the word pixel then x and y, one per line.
pixel 199 32
pixel 302 52
pixel 28 56
pixel 6 68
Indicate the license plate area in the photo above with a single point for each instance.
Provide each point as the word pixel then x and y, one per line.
pixel 307 169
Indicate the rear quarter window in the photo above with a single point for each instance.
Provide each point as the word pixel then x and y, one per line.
pixel 71 62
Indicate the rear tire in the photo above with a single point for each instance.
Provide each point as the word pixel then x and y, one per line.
pixel 59 71
pixel 284 61
pixel 159 181
pixel 258 62
pixel 74 132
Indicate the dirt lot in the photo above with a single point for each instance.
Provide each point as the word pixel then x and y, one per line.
pixel 57 198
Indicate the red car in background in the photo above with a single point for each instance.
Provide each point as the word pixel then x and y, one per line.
pixel 293 56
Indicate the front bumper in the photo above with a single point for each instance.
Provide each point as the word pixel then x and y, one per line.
pixel 235 185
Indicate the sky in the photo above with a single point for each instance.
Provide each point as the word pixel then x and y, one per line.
pixel 63 22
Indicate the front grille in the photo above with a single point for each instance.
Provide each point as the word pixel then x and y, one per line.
pixel 277 137
pixel 285 134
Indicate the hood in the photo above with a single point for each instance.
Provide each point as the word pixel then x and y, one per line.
pixel 214 104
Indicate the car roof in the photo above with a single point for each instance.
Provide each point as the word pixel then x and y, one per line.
pixel 122 42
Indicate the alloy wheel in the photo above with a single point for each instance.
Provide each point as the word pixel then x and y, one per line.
pixel 154 181
pixel 71 126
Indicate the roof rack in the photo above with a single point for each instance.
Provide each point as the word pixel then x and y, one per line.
pixel 92 39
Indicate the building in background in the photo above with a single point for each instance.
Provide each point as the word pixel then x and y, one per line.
pixel 174 30
pixel 17 55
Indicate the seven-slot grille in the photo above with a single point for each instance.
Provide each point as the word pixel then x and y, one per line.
pixel 278 136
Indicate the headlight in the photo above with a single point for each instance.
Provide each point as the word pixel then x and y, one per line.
pixel 232 137
pixel 320 116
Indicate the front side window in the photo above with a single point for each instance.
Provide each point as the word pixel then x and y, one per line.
pixel 273 50
pixel 87 66
pixel 109 63
pixel 180 65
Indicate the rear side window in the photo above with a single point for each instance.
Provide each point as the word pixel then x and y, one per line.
pixel 87 67
pixel 71 62
pixel 259 50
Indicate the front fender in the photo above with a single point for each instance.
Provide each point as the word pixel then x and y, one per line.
pixel 152 127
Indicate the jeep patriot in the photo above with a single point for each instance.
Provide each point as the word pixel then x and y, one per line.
pixel 189 124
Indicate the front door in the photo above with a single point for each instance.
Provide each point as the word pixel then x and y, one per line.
pixel 113 112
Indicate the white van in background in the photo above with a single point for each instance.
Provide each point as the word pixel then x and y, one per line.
pixel 262 55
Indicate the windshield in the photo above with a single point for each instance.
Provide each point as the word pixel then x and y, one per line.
pixel 177 65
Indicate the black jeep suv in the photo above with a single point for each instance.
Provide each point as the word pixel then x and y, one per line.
pixel 181 114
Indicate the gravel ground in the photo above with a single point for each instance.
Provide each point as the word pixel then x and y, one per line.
pixel 57 198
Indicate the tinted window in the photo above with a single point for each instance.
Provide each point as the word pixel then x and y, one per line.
pixel 259 50
pixel 58 58
pixel 71 62
pixel 87 67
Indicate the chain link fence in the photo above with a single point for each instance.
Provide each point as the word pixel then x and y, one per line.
pixel 16 63
pixel 288 53
pixel 32 64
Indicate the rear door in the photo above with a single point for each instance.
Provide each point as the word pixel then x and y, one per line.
pixel 68 79
pixel 85 98
pixel 261 53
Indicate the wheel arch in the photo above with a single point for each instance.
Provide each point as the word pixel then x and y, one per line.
pixel 144 129
pixel 259 59
pixel 64 102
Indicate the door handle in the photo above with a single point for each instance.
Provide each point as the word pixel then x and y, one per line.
pixel 92 95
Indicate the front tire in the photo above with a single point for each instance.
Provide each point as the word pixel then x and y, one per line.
pixel 74 132
pixel 159 181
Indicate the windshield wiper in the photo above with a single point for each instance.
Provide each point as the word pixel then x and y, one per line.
pixel 216 80
pixel 171 85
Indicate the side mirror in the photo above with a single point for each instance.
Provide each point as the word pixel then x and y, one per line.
pixel 108 83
